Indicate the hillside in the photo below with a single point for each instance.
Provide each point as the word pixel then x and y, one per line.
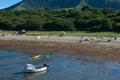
pixel 58 4
pixel 104 3
pixel 41 4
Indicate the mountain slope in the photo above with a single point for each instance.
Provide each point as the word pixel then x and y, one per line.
pixel 104 3
pixel 41 4
pixel 57 4
pixel 20 6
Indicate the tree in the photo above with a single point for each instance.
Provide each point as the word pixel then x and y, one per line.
pixel 109 11
pixel 60 25
pixel 106 25
pixel 86 8
pixel 116 19
pixel 117 27
pixel 33 24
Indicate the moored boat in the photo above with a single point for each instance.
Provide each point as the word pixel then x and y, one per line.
pixel 31 68
pixel 36 57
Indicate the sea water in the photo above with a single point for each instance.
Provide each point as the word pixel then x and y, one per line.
pixel 61 67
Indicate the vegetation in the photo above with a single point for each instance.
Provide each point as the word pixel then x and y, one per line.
pixel 85 19
pixel 67 33
pixel 73 33
pixel 58 4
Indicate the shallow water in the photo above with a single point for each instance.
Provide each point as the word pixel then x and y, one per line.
pixel 61 67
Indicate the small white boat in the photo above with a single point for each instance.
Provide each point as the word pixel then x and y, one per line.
pixel 31 68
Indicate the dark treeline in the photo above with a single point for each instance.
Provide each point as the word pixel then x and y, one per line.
pixel 86 19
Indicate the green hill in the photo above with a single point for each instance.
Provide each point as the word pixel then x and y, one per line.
pixel 42 4
pixel 58 4
pixel 20 6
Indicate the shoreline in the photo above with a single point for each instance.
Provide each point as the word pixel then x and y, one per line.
pixel 63 45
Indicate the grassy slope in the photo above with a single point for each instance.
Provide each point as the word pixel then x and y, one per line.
pixel 74 33
pixel 20 6
pixel 68 33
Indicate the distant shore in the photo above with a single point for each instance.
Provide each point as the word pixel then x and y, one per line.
pixel 69 45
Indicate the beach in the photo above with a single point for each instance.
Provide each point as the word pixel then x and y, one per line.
pixel 68 45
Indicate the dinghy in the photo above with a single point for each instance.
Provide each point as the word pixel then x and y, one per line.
pixel 32 69
pixel 48 55
pixel 36 57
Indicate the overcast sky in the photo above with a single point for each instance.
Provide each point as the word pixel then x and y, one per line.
pixel 7 3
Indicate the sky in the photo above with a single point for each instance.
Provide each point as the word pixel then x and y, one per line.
pixel 7 3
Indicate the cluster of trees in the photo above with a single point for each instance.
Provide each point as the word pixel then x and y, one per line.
pixel 85 19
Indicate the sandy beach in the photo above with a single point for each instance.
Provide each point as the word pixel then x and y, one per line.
pixel 69 45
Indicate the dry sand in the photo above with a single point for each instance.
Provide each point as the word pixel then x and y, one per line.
pixel 64 45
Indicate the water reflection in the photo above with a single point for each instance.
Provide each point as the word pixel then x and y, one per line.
pixel 30 76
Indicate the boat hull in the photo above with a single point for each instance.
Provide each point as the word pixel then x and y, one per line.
pixel 35 70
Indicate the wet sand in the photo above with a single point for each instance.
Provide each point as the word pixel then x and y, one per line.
pixel 69 46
